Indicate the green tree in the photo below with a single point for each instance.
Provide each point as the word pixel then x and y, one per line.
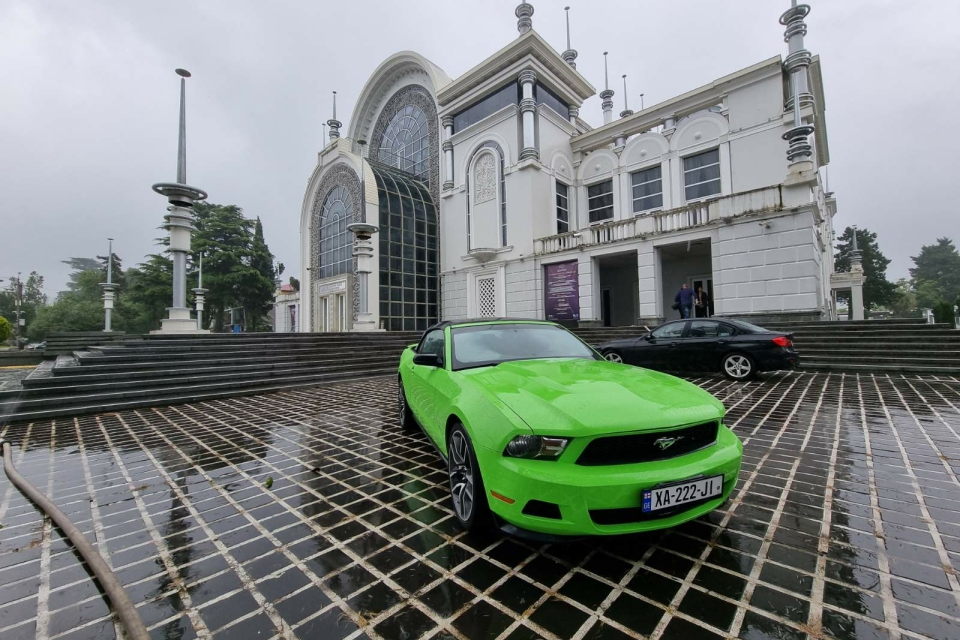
pixel 33 290
pixel 117 270
pixel 80 309
pixel 79 265
pixel 294 283
pixel 256 292
pixel 5 329
pixel 937 273
pixel 904 302
pixel 224 236
pixel 149 291
pixel 877 290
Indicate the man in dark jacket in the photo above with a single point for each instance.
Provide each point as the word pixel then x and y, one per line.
pixel 685 298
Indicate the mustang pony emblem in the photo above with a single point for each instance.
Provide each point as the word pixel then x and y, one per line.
pixel 666 443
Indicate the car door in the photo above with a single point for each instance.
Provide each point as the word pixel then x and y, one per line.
pixel 423 381
pixel 699 348
pixel 660 352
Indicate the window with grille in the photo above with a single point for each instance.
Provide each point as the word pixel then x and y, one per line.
pixel 563 208
pixel 647 189
pixel 487 297
pixel 600 201
pixel 701 175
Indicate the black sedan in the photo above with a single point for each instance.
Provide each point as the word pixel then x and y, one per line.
pixel 735 348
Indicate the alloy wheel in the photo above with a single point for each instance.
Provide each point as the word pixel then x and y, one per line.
pixel 461 476
pixel 613 356
pixel 401 403
pixel 738 366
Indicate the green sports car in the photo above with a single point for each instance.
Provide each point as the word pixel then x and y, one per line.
pixel 541 435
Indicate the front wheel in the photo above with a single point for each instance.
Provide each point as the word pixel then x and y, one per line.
pixel 738 366
pixel 466 486
pixel 406 420
pixel 613 356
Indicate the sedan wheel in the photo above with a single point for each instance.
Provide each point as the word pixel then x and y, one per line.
pixel 738 366
pixel 613 356
pixel 466 486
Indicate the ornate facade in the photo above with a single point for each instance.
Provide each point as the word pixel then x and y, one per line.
pixel 489 195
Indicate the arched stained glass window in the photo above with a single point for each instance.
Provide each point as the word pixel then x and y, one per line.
pixel 336 244
pixel 406 142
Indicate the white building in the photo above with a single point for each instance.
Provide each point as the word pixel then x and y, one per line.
pixel 286 310
pixel 488 195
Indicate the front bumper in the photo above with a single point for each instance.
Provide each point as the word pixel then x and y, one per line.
pixel 604 490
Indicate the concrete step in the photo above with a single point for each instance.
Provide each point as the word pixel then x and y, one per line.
pixel 96 358
pixel 847 367
pixel 95 404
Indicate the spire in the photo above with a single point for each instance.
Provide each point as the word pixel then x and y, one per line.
pixel 607 94
pixel 333 123
pixel 627 111
pixel 856 256
pixel 523 13
pixel 182 142
pixel 800 151
pixel 570 55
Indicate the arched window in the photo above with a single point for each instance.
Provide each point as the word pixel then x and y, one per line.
pixel 336 246
pixel 406 142
pixel 480 192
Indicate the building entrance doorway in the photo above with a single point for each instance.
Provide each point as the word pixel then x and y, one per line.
pixel 619 289
pixel 332 315
pixel 703 288
pixel 686 263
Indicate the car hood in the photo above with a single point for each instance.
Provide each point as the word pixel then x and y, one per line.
pixel 579 397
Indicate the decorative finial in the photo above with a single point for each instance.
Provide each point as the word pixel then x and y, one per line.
pixel 524 12
pixel 333 123
pixel 627 111
pixel 607 94
pixel 182 143
pixel 641 102
pixel 800 151
pixel 570 55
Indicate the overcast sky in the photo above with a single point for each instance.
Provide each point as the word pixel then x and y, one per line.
pixel 88 113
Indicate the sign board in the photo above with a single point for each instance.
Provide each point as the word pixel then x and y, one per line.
pixel 561 291
pixel 331 287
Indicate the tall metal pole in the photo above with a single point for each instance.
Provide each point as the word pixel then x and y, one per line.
pixel 109 290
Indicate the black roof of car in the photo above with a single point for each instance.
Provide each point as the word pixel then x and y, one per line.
pixel 451 323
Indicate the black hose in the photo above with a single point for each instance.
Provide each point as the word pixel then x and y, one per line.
pixel 115 593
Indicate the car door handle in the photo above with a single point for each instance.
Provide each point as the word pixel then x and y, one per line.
pixel 674 344
pixel 721 342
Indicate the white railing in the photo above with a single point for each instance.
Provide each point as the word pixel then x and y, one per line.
pixel 694 215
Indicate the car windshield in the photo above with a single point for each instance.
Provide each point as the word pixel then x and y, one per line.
pixel 490 344
pixel 746 326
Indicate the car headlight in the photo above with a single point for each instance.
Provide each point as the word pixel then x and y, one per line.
pixel 541 447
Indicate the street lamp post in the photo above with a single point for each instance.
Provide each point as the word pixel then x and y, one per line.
pixel 179 223
pixel 109 291
pixel 363 252
pixel 198 294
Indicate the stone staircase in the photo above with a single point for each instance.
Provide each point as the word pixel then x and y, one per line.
pixel 146 371
pixel 141 371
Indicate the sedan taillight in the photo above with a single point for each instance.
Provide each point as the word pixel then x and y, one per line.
pixel 783 341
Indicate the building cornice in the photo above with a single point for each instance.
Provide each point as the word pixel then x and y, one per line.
pixel 562 78
pixel 700 98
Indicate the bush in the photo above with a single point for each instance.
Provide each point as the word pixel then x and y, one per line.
pixel 5 329
pixel 943 313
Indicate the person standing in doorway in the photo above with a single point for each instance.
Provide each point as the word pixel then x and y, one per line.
pixel 685 299
pixel 703 303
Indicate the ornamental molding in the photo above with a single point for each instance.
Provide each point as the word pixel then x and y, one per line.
pixel 485 178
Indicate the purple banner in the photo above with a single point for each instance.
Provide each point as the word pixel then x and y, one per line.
pixel 561 291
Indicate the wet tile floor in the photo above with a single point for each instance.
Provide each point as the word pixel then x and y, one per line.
pixel 309 514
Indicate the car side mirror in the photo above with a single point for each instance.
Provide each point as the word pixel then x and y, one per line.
pixel 648 337
pixel 413 347
pixel 428 360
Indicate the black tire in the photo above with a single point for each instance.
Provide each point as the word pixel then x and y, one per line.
pixel 469 497
pixel 407 421
pixel 738 366
pixel 613 356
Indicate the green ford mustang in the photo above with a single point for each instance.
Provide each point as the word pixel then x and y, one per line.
pixel 541 432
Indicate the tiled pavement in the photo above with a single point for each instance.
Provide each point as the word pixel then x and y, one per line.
pixel 310 514
pixel 10 377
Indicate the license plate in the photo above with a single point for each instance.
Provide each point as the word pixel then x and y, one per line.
pixel 677 494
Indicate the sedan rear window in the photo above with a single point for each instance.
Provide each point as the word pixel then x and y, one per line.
pixel 491 344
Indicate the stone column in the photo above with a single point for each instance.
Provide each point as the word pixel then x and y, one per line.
pixel 528 107
pixel 447 123
pixel 856 302
pixel 363 252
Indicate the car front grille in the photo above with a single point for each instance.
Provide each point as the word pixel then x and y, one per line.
pixel 648 447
